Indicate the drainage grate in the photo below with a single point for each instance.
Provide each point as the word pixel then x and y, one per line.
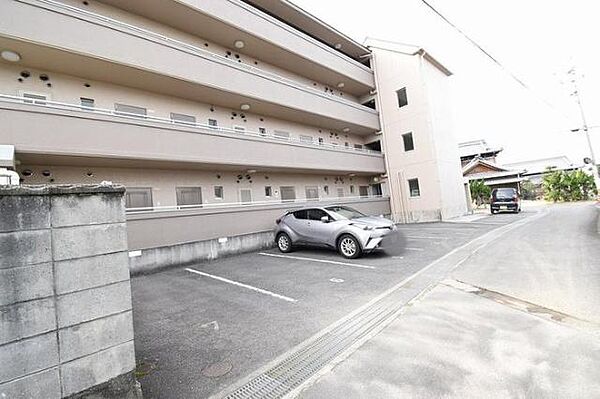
pixel 307 361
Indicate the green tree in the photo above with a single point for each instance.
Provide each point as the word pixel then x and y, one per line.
pixel 573 185
pixel 528 190
pixel 480 192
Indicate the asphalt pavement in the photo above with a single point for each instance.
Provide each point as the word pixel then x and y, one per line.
pixel 516 318
pixel 201 329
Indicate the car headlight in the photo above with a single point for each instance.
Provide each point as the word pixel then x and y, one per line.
pixel 367 227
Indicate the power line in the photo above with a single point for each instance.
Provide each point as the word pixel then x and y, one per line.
pixel 493 59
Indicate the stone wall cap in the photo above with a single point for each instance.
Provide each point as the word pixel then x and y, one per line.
pixel 62 189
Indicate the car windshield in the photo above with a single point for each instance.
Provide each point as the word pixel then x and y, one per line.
pixel 505 193
pixel 344 212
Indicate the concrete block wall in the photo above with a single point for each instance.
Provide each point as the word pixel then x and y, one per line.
pixel 66 325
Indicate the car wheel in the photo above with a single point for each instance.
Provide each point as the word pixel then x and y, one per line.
pixel 493 212
pixel 284 242
pixel 349 247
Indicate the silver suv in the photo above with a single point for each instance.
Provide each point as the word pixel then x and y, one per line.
pixel 349 231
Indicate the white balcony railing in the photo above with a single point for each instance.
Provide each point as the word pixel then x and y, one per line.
pixel 189 48
pixel 198 127
pixel 317 202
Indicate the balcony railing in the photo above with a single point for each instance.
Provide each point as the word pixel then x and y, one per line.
pixel 200 127
pixel 258 204
pixel 186 47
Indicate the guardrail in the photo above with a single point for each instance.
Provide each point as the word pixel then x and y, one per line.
pixel 203 128
pixel 256 204
pixel 189 48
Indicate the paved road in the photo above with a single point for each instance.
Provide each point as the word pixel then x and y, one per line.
pixel 554 262
pixel 521 323
pixel 197 333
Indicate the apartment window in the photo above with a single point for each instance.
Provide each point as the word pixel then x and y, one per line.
pixel 326 189
pixel 240 129
pixel 130 110
pixel 413 187
pixel 189 195
pixel 280 134
pixel 358 146
pixel 138 197
pixel 262 131
pixel 86 103
pixel 363 191
pixel 376 190
pixel 306 139
pixel 288 193
pixel 402 99
pixel 268 191
pixel 218 192
pixel 311 192
pixel 212 123
pixel 33 98
pixel 245 195
pixel 409 144
pixel 340 192
pixel 351 189
pixel 183 119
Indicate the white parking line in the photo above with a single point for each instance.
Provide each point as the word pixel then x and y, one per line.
pixel 414 249
pixel 428 237
pixel 225 280
pixel 333 262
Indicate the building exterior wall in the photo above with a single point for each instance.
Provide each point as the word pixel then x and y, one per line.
pixel 68 89
pixel 165 181
pixel 169 56
pixel 434 160
pixel 161 59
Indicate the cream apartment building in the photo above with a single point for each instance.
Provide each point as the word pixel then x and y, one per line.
pixel 423 176
pixel 216 115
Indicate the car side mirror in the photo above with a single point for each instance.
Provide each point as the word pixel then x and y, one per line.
pixel 325 219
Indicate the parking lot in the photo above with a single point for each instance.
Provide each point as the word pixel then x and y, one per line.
pixel 202 327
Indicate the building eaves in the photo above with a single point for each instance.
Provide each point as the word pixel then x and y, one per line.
pixel 478 161
pixel 312 26
pixel 407 49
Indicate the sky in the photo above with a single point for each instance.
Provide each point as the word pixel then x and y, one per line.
pixel 538 41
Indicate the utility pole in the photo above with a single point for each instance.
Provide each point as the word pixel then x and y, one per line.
pixel 585 128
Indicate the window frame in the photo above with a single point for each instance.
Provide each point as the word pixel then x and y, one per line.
pixel 131 190
pixel 281 135
pixel 281 190
pixel 412 141
pixel 130 114
pixel 410 189
pixel 306 139
pixel 245 189
pixel 268 191
pixel 87 99
pixel 361 188
pixel 183 121
pixel 402 97
pixel 306 190
pixel 180 189
pixel 33 100
pixel 220 198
